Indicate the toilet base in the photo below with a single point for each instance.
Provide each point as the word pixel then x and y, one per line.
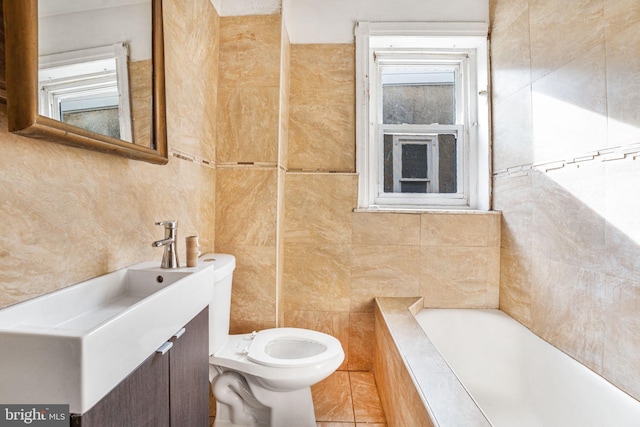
pixel 288 408
pixel 235 403
pixel 238 405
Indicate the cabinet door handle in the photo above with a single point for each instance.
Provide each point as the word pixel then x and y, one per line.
pixel 164 347
pixel 179 333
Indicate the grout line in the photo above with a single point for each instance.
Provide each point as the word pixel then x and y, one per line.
pixel 191 158
pixel 353 400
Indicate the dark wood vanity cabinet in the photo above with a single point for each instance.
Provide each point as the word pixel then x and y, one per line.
pixel 189 375
pixel 170 389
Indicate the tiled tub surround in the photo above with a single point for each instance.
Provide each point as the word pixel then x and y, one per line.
pixel 469 356
pixel 337 261
pixel 566 127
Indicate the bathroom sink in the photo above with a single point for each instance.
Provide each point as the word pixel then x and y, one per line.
pixel 74 345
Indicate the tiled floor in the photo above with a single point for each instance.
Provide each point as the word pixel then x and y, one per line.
pixel 346 399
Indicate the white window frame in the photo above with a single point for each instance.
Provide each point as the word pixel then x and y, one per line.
pixel 89 78
pixel 380 44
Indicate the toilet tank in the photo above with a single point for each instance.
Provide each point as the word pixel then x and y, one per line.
pixel 220 306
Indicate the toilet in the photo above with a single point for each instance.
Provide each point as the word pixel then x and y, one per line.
pixel 263 379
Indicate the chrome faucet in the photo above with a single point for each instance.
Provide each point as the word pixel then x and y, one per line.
pixel 170 257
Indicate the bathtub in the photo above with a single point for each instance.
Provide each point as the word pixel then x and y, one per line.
pixel 473 367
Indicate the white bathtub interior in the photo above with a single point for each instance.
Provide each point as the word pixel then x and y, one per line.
pixel 518 379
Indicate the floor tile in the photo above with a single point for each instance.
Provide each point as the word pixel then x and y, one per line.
pixel 366 403
pixel 332 399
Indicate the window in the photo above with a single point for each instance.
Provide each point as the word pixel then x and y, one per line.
pixel 420 140
pixel 89 89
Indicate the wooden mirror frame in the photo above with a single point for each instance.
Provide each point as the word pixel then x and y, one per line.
pixel 21 50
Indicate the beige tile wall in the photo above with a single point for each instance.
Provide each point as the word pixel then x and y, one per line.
pixel 246 224
pixel 388 254
pixel 72 214
pixel 250 151
pixel 140 92
pixel 191 50
pixel 304 258
pixel 336 261
pixel 249 89
pixel 565 89
pixel 322 108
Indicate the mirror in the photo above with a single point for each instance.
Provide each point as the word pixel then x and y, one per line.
pixel 102 89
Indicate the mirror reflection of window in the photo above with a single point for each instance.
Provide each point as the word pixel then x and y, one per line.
pixel 68 32
pixel 88 88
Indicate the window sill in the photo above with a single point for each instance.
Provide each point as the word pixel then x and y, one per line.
pixel 430 210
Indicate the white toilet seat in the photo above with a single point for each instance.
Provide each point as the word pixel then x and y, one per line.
pixel 279 372
pixel 299 347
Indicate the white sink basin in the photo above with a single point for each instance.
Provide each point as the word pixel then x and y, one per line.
pixel 74 345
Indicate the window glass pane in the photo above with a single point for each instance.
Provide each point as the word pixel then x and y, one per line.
pixel 103 121
pixel 415 96
pixel 388 163
pixel 447 162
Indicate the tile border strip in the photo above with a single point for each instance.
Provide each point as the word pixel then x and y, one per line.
pixel 631 151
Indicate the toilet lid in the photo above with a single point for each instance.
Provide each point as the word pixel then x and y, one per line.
pixel 292 347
